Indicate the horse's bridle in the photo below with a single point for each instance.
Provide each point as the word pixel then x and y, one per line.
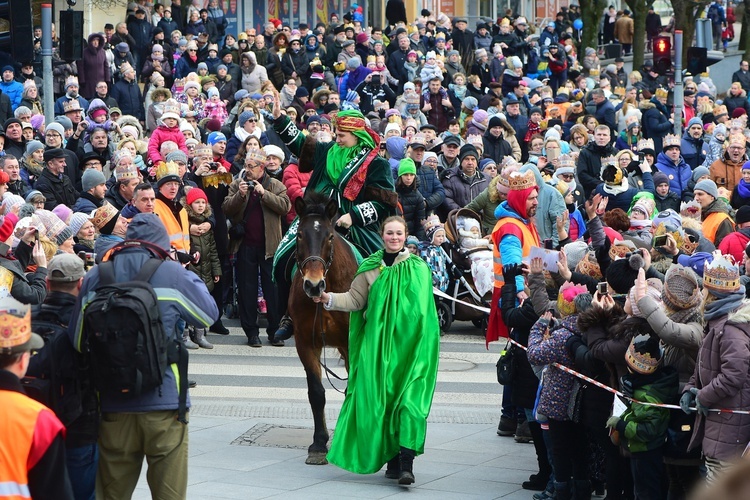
pixel 318 258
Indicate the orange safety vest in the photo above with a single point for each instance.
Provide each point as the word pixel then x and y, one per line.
pixel 711 224
pixel 19 450
pixel 179 232
pixel 529 238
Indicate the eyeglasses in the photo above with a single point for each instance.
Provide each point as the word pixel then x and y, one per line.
pixel 252 120
pixel 192 50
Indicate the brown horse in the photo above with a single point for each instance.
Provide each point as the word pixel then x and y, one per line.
pixel 325 262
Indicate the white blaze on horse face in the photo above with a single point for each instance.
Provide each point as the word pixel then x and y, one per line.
pixel 316 226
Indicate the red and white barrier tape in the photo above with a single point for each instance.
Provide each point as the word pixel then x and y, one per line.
pixel 584 377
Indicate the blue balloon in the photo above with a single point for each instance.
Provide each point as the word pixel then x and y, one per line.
pixel 578 24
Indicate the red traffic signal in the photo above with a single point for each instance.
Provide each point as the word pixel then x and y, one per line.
pixel 662 54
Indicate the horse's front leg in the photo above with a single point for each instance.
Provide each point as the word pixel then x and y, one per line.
pixel 316 394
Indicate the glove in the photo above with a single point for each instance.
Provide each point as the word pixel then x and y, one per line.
pixel 613 421
pixel 687 400
pixel 511 271
pixel 701 409
pixel 627 386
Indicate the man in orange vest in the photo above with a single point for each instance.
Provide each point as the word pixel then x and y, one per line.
pixel 32 439
pixel 716 222
pixel 514 235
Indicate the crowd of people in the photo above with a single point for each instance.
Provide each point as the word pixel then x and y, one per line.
pixel 219 134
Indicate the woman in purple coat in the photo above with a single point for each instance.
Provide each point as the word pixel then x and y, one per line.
pixel 93 66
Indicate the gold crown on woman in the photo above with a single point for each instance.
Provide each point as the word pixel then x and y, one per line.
pixel 645 144
pixel 662 93
pixel 671 140
pixel 722 274
pixel 518 181
pixel 566 161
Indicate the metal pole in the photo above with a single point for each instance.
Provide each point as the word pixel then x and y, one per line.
pixel 678 89
pixel 49 96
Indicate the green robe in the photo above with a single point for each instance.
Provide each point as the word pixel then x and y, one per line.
pixel 393 359
pixel 367 213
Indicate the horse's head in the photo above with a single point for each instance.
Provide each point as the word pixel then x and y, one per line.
pixel 315 240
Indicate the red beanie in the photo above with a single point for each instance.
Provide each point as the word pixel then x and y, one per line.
pixel 4 178
pixel 738 112
pixel 9 223
pixel 196 194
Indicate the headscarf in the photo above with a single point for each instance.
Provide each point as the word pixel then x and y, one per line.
pixel 348 121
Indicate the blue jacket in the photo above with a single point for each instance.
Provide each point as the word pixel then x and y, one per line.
pixel 623 200
pixel 181 294
pixel 84 205
pixel 694 151
pixel 14 91
pixel 551 206
pixel 510 246
pixel 129 99
pixel 60 109
pixel 679 175
pixel 431 188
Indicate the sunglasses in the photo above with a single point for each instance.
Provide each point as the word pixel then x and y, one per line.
pixel 252 120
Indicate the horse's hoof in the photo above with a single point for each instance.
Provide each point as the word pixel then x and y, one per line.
pixel 316 458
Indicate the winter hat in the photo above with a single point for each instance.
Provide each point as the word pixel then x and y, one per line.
pixel 392 126
pixel 92 178
pixel 8 224
pixel 695 121
pixel 622 273
pixel 301 92
pixel 196 194
pixel 132 131
pixel 273 150
pixel 406 166
pixel 467 150
pixel 495 121
pixel 57 127
pixel 669 218
pixel 412 240
pixel 428 154
pixel 660 178
pixel 484 163
pixel 644 354
pixel 575 252
pixel 645 205
pixel 742 215
pixel 215 137
pixel 721 275
pixel 654 288
pixel 121 47
pixel 707 186
pixel 213 91
pixel 433 227
pixel 11 200
pixel 57 230
pixel 177 155
pixel 566 298
pixel 471 103
pixel 63 212
pixel 77 220
pixel 700 172
pixel 479 119
pixel 33 146
pixel 681 290
pixel 244 117
pixel 191 85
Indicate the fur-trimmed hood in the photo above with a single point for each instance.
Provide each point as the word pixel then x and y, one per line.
pixel 596 317
pixel 96 104
pixel 741 315
pixel 161 91
pixel 131 120
pixel 644 105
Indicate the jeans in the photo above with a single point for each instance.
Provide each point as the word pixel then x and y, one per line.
pixel 82 463
pixel 250 262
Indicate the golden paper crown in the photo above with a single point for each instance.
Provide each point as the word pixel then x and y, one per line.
pixel 671 140
pixel 566 161
pixel 641 362
pixel 370 58
pixel 620 91
pixel 71 105
pixel 15 324
pixel 620 249
pixel 644 144
pixel 418 140
pixel 518 181
pixel 256 156
pixel 721 274
pixel 202 150
pixel 720 111
pixel 103 215
pixel 317 62
pixel 690 210
pixel 688 247
pixel 737 140
pixel 593 72
pixel 660 92
pixel 124 172
pixel 339 66
pixel 166 168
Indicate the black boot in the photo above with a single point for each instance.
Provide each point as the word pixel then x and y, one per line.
pixel 406 460
pixel 286 329
pixel 538 481
pixel 219 328
pixel 393 468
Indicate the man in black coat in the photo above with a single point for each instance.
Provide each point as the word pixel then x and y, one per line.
pixel 127 93
pixel 463 41
pixel 589 164
pixel 168 23
pixel 742 76
pixel 140 29
pixel 53 183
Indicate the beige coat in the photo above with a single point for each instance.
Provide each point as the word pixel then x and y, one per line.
pixel 275 204
pixel 624 30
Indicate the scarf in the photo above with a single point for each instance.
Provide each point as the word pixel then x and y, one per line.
pixel 724 304
pixel 639 224
pixel 743 189
pixel 458 90
pixel 34 167
pixel 87 243
pixel 534 128
pixel 618 189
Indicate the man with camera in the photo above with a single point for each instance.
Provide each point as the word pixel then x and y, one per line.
pixel 373 88
pixel 257 205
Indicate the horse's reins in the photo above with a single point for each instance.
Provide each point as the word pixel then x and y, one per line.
pixel 326 266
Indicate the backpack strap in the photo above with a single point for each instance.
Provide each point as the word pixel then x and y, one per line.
pixel 148 270
pixel 106 273
pixel 182 369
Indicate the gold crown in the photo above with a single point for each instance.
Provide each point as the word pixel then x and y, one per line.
pixel 690 210
pixel 671 140
pixel 166 168
pixel 593 72
pixel 721 274
pixel 660 92
pixel 15 324
pixel 317 61
pixel 640 362
pixel 620 249
pixel 737 140
pixel 203 150
pixel 103 215
pixel 620 91
pixel 71 105
pixel 518 181
pixel 566 161
pixel 124 172
pixel 255 156
pixel 646 144
pixel 688 246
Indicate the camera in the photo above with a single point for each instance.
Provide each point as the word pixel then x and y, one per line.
pixel 376 79
pixel 213 165
pixel 660 241
pixel 602 288
pixel 250 184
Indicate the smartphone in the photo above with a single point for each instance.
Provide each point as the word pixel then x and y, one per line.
pixel 36 235
pixel 641 157
pixel 660 241
pixel 602 288
pixel 548 244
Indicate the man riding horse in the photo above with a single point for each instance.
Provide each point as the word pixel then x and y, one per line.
pixel 349 170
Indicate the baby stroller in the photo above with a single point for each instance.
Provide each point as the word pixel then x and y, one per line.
pixel 461 286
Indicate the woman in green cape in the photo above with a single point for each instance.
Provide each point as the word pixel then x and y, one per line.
pixel 394 340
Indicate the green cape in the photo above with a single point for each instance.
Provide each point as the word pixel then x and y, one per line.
pixel 393 359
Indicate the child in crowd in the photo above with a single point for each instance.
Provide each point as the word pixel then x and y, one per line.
pixel 479 252
pixel 432 252
pixel 411 65
pixel 208 266
pixel 168 130
pixel 412 244
pixel 411 200
pixel 215 107
pixel 664 198
pixel 430 69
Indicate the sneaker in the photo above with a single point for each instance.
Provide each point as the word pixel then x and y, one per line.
pixel 285 330
pixel 253 342
pixel 275 342
pixel 507 426
pixel 262 307
pixel 523 434
pixel 544 495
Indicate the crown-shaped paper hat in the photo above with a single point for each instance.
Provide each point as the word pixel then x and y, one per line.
pixel 412 98
pixel 126 171
pixel 620 91
pixel 508 161
pixel 645 144
pixel 661 93
pixel 71 105
pixel 475 140
pixel 202 150
pixel 566 161
pixel 644 354
pixel 15 325
pixel 518 181
pixel 255 156
pixel 671 140
pixel 721 274
pixel 737 140
pixel 102 215
pixel 690 210
pixel 418 140
pixel 631 119
pixel 171 109
pixel 166 169
pixel 609 160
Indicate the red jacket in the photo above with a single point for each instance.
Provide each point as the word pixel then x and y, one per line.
pixel 161 135
pixel 734 244
pixel 295 182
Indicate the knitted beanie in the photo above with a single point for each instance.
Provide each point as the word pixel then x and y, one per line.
pixel 708 186
pixel 575 252
pixel 92 178
pixel 622 273
pixel 681 290
pixel 196 194
pixel 77 220
pixel 654 288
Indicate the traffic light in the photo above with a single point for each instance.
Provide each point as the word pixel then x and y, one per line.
pixel 16 29
pixel 662 54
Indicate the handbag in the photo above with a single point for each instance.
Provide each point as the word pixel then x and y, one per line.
pixel 679 433
pixel 575 403
pixel 506 365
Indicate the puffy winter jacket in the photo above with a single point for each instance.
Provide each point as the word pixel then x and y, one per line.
pixel 460 189
pixel 679 175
